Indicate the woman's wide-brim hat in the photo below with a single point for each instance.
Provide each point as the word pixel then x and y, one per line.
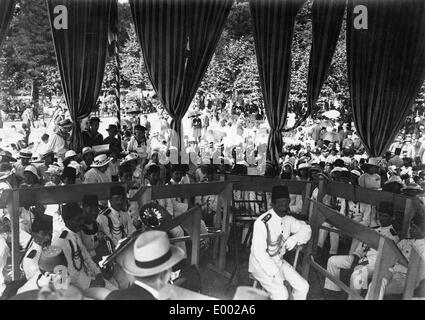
pixel 33 170
pixel 69 154
pixel 87 150
pixel 100 161
pixel 151 254
pixel 130 157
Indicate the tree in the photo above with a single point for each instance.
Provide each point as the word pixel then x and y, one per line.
pixel 28 53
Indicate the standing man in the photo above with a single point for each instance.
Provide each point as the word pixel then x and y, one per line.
pixel 139 143
pixel 92 137
pixel 59 142
pixel 114 143
pixel 275 233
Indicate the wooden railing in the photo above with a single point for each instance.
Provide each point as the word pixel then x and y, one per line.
pixel 403 205
pixel 388 253
pixel 14 199
pixel 221 219
pixel 415 274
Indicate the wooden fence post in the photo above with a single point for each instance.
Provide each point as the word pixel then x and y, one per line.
pixel 14 221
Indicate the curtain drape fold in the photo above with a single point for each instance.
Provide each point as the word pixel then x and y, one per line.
pixel 386 67
pixel 327 16
pixel 273 23
pixel 81 52
pixel 178 39
pixel 7 8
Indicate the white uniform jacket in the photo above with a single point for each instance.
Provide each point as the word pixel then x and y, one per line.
pixel 81 267
pixel 260 261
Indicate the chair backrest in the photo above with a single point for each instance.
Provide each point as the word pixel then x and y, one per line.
pixel 249 203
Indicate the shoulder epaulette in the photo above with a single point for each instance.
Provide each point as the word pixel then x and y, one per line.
pixel 393 232
pixel 64 234
pixel 377 227
pixel 106 212
pixel 266 218
pixel 32 254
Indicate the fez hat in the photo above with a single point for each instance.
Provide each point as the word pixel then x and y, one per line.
pixel 279 192
pixel 50 258
pixel 69 172
pixel 180 167
pixel 90 200
pixel 151 254
pixel 117 191
pixel 339 163
pixel 139 127
pixel 386 207
pixel 42 222
pixel 70 210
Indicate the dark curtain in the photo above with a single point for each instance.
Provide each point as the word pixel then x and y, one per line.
pixel 7 8
pixel 273 23
pixel 81 53
pixel 178 39
pixel 327 16
pixel 386 67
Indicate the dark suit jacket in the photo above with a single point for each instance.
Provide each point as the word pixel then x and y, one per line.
pixel 134 292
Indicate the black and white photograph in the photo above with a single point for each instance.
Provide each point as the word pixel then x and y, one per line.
pixel 213 150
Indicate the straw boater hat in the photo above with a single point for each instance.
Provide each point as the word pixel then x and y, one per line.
pixel 100 161
pixel 25 154
pixel 33 170
pixel 151 254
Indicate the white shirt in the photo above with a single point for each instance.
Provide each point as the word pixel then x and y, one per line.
pixel 151 290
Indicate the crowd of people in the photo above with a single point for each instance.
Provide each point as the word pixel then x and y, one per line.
pixel 223 139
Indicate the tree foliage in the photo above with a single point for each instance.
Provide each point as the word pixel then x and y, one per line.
pixel 28 59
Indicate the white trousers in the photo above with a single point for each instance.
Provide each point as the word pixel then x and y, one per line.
pixel 335 264
pixel 394 285
pixel 178 232
pixel 334 238
pixel 276 288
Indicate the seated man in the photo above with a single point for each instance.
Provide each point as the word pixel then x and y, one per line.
pixel 41 231
pixel 48 260
pixel 149 262
pixel 115 221
pixel 84 273
pixel 395 280
pixel 276 232
pixel 363 259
